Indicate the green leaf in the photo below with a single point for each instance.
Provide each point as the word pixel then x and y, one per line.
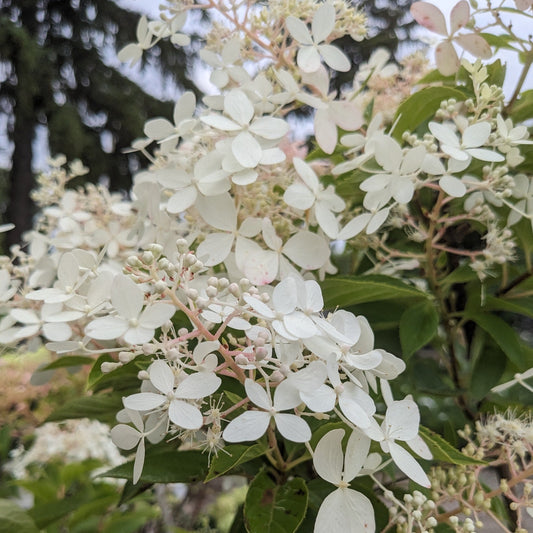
pixel 444 451
pixel 101 407
pixel 499 41
pixel 123 378
pixel 69 360
pixel 13 518
pixel 418 326
pixel 503 335
pixel 462 274
pixel 523 107
pixel 520 306
pixel 487 371
pixel 234 455
pixel 422 106
pixel 166 466
pixel 271 508
pixel 47 513
pixel 345 291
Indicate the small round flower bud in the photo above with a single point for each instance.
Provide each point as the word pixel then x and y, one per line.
pixel 189 260
pixel 277 376
pixel 242 359
pixel 211 292
pixel 192 294
pixel 182 246
pixel 223 283
pixel 212 281
pixel 201 302
pixel 166 327
pixel 245 284
pixel 260 353
pixel 234 289
pixel 126 357
pixel 143 375
pixel 148 349
pixel 147 258
pixel 182 332
pixel 173 354
pixel 160 287
pixel 196 267
pixel 133 261
pixel 156 249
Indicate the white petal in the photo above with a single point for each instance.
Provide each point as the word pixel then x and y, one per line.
pixel 298 29
pixel 185 415
pixel 354 412
pixel 139 462
pixel 328 458
pixel 251 425
pixel 182 200
pixel 139 335
pixel 356 453
pixel 154 316
pixel 452 186
pixel 215 248
pixel 346 115
pixel 106 328
pixel 220 123
pixel 345 510
pixel 420 448
pixel 299 196
pixel 325 131
pixel 307 250
pixel 293 427
pixel 144 401
pixel 323 22
pixel 218 211
pixel 286 396
pixel 272 156
pixel 321 400
pixel 238 107
pixel 125 437
pixel 300 325
pixel 334 57
pixel 408 465
pixel 184 107
pixel 68 269
pixel 443 134
pixel 127 297
pixel 259 306
pixel 485 155
pixel 377 220
pixel 161 376
pixel 269 127
pixel 57 332
pixel 476 134
pixel 196 386
pixel 308 59
pixel 261 267
pixel 158 128
pixel 402 420
pixel 246 150
pixel 257 394
pixel 354 227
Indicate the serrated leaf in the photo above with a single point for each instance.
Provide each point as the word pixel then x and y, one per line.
pixel 503 335
pixel 345 291
pixel 69 360
pixel 13 518
pixel 168 466
pixel 444 451
pixel 421 106
pixel 418 326
pixel 271 508
pixel 101 407
pixel 234 455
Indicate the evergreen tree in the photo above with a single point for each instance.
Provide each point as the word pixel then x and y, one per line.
pixel 54 58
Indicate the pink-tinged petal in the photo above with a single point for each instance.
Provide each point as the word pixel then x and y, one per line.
pixel 196 386
pixel 106 328
pixel 238 107
pixel 246 150
pixel 408 465
pixel 185 415
pixel 430 17
pixel 293 427
pixel 328 458
pixel 298 29
pixel 261 268
pixel 308 59
pixel 323 22
pixel 334 58
pixel 459 16
pixel 257 394
pixel 161 376
pixel 144 401
pixel 402 420
pixel 251 425
pixel 286 396
pixel 446 58
pixel 452 186
pixel 325 131
pixel 356 453
pixel 125 437
pixel 127 297
pixel 307 250
pixel 139 462
pixel 345 510
pixel 474 44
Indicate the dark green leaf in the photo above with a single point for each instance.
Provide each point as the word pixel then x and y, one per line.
pixel 168 466
pixel 523 107
pixel 520 306
pixel 444 451
pixel 503 335
pixel 14 519
pixel 69 360
pixel 271 508
pixel 421 106
pixel 345 291
pixel 101 407
pixel 46 514
pixel 234 455
pixel 487 371
pixel 122 378
pixel 418 326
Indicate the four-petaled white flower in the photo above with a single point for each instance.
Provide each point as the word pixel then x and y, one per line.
pixel 311 51
pixel 251 425
pixel 344 509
